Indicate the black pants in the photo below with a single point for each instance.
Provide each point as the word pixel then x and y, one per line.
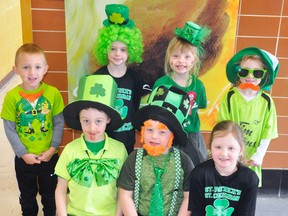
pixel 33 179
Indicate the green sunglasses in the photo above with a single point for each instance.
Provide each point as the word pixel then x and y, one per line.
pixel 257 73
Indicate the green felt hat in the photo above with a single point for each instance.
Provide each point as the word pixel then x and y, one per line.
pixel 169 105
pixel 118 14
pixel 194 34
pixel 94 91
pixel 269 60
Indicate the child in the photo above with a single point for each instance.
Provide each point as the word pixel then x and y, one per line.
pixel 33 123
pixel 252 70
pixel 182 64
pixel 119 44
pixel 89 166
pixel 158 163
pixel 222 185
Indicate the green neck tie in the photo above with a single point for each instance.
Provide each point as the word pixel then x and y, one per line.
pixel 157 200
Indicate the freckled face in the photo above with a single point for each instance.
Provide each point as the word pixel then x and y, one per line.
pixel 93 123
pixel 182 62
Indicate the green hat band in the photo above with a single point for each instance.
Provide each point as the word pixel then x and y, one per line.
pixel 96 88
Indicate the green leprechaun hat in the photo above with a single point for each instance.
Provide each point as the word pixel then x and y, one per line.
pixel 94 91
pixel 169 105
pixel 270 61
pixel 118 14
pixel 194 34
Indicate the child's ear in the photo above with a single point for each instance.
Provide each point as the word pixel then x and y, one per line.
pixel 108 121
pixel 14 68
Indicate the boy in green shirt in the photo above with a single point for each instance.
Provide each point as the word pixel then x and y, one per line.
pixel 33 123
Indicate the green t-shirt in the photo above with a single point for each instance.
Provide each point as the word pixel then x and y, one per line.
pixel 196 88
pixel 33 113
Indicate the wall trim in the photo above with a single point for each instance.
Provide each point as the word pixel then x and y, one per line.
pixel 6 79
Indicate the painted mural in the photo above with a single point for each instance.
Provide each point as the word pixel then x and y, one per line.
pixel 157 21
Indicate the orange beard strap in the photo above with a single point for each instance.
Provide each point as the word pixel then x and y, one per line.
pixel 249 85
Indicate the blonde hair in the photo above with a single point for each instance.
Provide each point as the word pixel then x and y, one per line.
pixel 222 129
pixel 31 49
pixel 184 46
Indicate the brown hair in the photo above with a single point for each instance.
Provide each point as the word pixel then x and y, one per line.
pixel 224 128
pixel 31 49
pixel 179 44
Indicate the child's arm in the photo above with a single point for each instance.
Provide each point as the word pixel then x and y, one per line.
pixel 58 127
pixel 61 196
pixel 257 157
pixel 126 202
pixel 184 206
pixel 17 146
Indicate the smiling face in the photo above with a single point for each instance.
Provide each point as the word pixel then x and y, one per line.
pixel 157 138
pixel 31 68
pixel 181 62
pixel 225 150
pixel 93 123
pixel 118 54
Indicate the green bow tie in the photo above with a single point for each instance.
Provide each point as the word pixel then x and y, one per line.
pixel 104 171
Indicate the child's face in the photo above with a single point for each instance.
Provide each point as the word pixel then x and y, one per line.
pixel 225 153
pixel 118 54
pixel 182 62
pixel 157 135
pixel 93 123
pixel 31 68
pixel 250 64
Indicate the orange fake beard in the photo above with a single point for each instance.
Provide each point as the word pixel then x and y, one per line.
pixel 155 150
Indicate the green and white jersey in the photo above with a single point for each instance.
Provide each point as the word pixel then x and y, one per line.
pixel 257 118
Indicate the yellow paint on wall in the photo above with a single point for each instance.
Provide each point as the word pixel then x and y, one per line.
pixel 10 34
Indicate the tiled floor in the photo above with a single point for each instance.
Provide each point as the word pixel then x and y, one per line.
pixel 9 205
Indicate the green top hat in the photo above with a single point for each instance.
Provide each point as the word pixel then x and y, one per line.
pixel 118 14
pixel 193 33
pixel 94 91
pixel 169 105
pixel 269 60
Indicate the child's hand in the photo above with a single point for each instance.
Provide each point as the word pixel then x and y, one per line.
pixel 31 159
pixel 47 155
pixel 252 163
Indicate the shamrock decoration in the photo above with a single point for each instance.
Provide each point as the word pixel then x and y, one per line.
pixel 119 106
pixel 221 208
pixel 116 18
pixel 186 103
pixel 160 92
pixel 97 90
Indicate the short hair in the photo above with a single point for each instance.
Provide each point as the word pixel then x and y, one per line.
pixel 30 48
pixel 132 37
pixel 226 127
pixel 180 44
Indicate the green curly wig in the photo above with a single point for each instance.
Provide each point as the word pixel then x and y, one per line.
pixel 132 37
